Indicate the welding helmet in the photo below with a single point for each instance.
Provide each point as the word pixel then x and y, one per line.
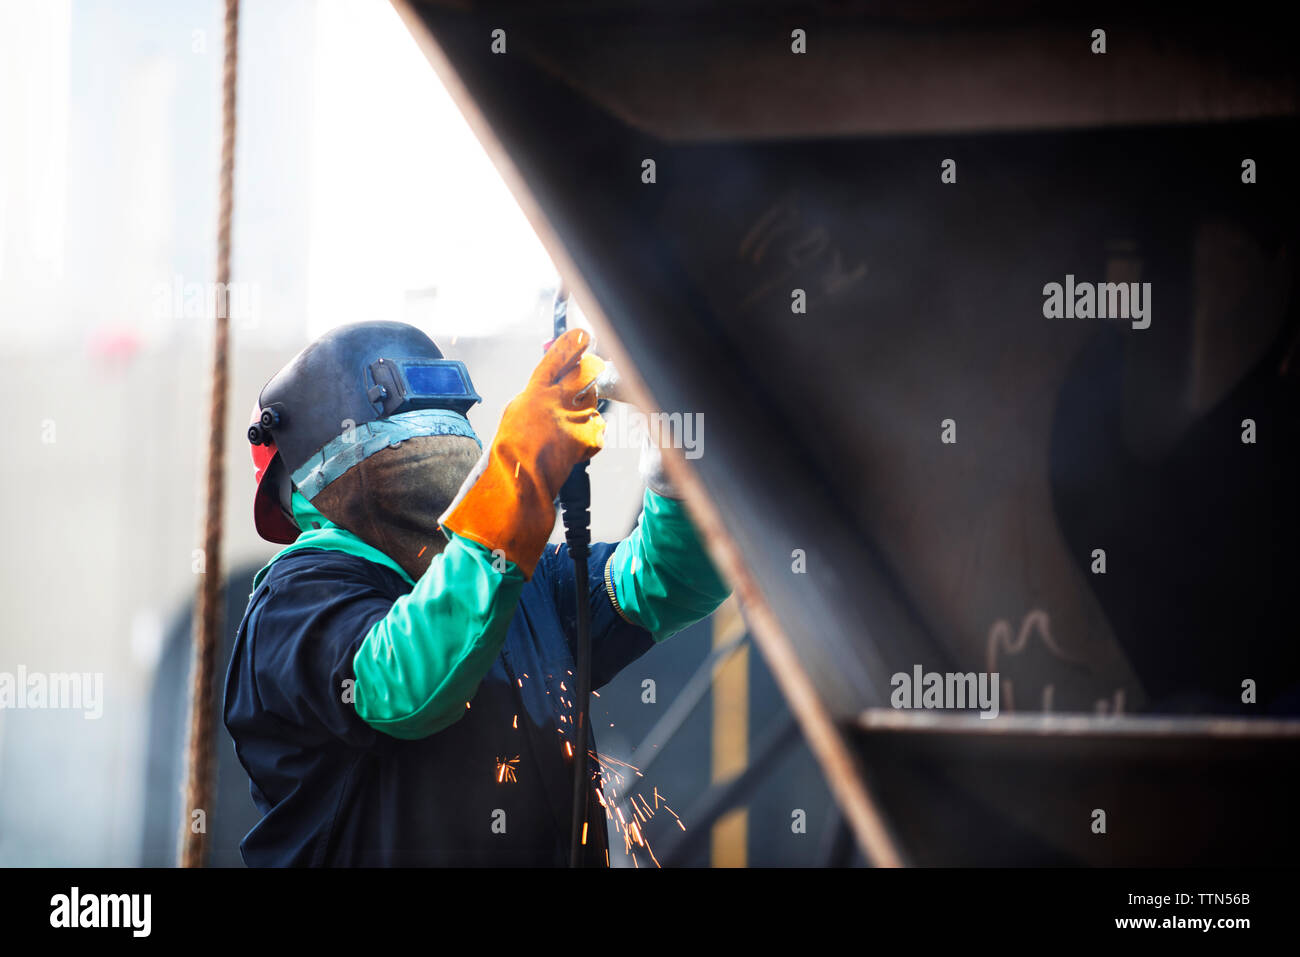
pixel 355 391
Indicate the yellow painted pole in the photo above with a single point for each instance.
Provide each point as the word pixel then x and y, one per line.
pixel 730 838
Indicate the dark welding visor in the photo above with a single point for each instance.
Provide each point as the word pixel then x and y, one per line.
pixel 403 385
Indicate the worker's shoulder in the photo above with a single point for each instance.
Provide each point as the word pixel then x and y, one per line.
pixel 315 595
pixel 324 574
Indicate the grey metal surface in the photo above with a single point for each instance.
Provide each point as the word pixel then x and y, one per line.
pixel 1026 789
pixel 875 545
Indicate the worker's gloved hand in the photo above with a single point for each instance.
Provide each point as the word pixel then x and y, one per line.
pixel 611 386
pixel 507 502
pixel 653 473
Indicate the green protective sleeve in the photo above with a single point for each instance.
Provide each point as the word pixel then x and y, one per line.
pixel 660 576
pixel 421 663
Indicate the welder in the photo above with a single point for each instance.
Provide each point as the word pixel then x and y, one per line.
pixel 401 687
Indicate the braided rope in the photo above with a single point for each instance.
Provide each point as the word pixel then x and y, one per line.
pixel 207 619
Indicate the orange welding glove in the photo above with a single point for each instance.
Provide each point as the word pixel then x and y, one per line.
pixel 508 501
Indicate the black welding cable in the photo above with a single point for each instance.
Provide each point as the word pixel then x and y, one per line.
pixel 575 502
pixel 575 506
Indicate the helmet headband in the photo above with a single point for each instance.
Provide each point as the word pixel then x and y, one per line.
pixel 357 444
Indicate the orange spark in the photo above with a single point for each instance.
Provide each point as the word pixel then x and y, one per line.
pixel 606 757
pixel 506 769
pixel 674 814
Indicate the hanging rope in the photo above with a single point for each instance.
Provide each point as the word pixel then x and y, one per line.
pixel 207 618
